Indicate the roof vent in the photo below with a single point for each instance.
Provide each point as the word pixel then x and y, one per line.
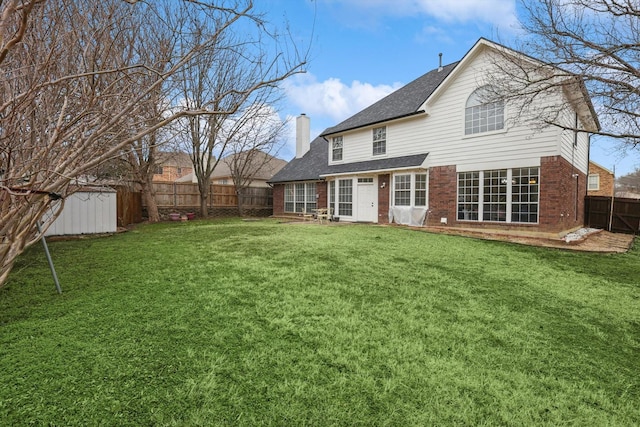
pixel 440 64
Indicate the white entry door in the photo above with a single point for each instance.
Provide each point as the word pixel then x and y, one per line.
pixel 367 202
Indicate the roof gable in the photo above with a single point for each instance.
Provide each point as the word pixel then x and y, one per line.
pixel 403 102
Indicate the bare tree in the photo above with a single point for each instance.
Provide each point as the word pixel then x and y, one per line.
pixel 74 96
pixel 256 141
pixel 228 80
pixel 629 182
pixel 584 45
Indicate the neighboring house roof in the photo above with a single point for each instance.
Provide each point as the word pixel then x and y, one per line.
pixel 308 167
pixel 404 102
pixel 393 163
pixel 264 165
pixel 627 195
pixel 591 162
pixel 174 158
pixel 185 178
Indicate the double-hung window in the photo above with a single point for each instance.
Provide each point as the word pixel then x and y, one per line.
pixel 380 141
pixel 420 194
pixel 336 149
pixel 594 182
pixel 410 189
pixel 300 197
pixel 402 190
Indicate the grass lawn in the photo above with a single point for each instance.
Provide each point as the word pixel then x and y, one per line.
pixel 260 323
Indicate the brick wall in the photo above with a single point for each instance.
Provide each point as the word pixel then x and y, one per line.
pixel 561 198
pixel 443 190
pixel 278 198
pixel 170 174
pixel 561 195
pixel 384 190
pixel 607 180
pixel 321 191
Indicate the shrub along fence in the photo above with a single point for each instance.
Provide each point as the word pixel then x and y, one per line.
pixel 623 218
pixel 184 197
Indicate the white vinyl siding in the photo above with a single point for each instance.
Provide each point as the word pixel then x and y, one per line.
pixel 441 133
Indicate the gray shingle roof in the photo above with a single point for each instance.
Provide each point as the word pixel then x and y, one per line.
pixel 308 167
pixel 378 164
pixel 401 103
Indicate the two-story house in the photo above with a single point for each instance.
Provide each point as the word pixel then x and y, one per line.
pixel 435 152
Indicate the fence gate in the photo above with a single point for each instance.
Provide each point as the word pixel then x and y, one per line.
pixel 624 218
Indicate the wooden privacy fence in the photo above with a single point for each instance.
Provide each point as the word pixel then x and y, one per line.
pixel 129 206
pixel 624 218
pixel 186 195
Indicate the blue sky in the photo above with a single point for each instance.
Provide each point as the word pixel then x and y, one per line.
pixel 361 50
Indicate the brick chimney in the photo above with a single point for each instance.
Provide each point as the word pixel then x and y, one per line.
pixel 303 135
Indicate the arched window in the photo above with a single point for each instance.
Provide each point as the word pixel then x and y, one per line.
pixel 482 116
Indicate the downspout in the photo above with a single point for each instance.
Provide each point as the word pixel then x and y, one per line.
pixel 575 174
pixel 613 195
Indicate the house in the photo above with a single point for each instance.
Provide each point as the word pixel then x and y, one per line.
pixel 171 166
pixel 433 153
pixel 601 181
pixel 255 166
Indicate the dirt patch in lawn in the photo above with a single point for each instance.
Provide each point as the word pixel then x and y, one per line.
pixel 599 241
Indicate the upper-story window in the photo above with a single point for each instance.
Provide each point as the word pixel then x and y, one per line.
pixel 380 141
pixel 482 116
pixel 336 148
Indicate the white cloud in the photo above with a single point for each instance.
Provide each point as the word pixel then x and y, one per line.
pixel 501 13
pixel 332 98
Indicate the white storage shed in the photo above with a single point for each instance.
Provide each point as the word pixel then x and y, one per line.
pixel 91 210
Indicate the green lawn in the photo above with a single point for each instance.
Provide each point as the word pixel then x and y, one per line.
pixel 260 323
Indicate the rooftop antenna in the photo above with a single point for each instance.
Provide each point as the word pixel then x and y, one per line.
pixel 440 65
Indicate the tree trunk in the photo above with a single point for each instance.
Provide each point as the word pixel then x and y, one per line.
pixel 149 194
pixel 18 228
pixel 204 199
pixel 240 193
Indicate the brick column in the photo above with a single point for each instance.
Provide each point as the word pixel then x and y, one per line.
pixel 443 189
pixel 384 190
pixel 561 195
pixel 278 199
